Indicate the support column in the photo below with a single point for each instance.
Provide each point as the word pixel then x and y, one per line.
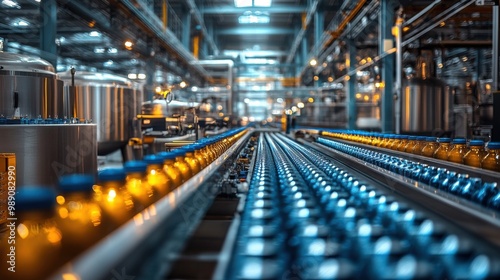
pixel 186 29
pixel 495 134
pixel 352 113
pixel 48 31
pixel 386 41
pixel 319 27
pixel 304 50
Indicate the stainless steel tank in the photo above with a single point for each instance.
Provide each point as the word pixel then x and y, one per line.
pixel 29 87
pixel 426 107
pixel 45 152
pixel 112 102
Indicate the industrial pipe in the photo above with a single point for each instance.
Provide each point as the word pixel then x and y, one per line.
pixel 336 34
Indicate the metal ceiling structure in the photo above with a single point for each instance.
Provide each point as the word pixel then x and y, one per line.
pixel 172 35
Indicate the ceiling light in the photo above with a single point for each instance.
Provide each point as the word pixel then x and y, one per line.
pixel 11 4
pixel 182 84
pixel 141 76
pixel 99 50
pixel 158 89
pixel 112 50
pixel 300 105
pixel 128 45
pixel 132 76
pixel 246 19
pixel 246 100
pixel 313 62
pixel 94 34
pixel 19 22
pixel 242 3
pixel 262 3
pixel 108 63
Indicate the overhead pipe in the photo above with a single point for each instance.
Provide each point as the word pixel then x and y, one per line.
pixel 199 19
pixel 154 25
pixel 421 13
pixel 336 34
pixel 302 31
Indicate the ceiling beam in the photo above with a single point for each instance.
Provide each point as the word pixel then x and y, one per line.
pixel 230 9
pixel 255 31
pixel 310 14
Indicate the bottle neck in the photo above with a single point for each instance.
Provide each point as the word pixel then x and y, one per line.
pixel 135 175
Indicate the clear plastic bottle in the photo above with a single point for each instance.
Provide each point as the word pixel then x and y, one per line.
pixel 155 175
pixel 458 150
pixel 137 184
pixel 80 216
pixel 431 146
pixel 112 195
pixel 169 168
pixel 38 247
pixel 492 159
pixel 443 149
pixel 475 154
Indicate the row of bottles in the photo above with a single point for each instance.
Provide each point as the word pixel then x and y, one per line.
pixel 454 150
pixel 40 120
pixel 56 226
pixel 473 189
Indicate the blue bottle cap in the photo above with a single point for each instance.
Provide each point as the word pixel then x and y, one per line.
pixel 412 137
pixel 430 139
pixel 476 143
pixel 421 138
pixel 444 140
pixel 494 145
pixel 403 136
pixel 189 148
pixel 166 155
pixel 134 166
pixel 153 159
pixel 459 141
pixel 32 198
pixel 76 183
pixel 111 174
pixel 179 152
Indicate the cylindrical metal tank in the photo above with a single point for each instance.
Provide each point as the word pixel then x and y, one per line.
pixel 426 107
pixel 112 102
pixel 29 87
pixel 45 152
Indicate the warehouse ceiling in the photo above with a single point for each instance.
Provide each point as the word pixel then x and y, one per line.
pixel 92 33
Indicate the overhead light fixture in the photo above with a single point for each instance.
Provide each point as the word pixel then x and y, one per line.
pixel 128 45
pixel 141 76
pixel 95 34
pixel 300 105
pixel 248 19
pixel 108 63
pixel 132 76
pixel 99 50
pixel 112 50
pixel 11 4
pixel 242 3
pixel 182 84
pixel 20 22
pixel 313 62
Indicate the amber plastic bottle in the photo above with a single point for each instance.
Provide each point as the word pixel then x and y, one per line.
pixel 137 183
pixel 182 165
pixel 475 154
pixel 113 197
pixel 156 177
pixel 402 143
pixel 412 141
pixel 458 150
pixel 169 168
pixel 419 145
pixel 443 149
pixel 431 146
pixel 80 216
pixel 395 142
pixel 191 159
pixel 492 159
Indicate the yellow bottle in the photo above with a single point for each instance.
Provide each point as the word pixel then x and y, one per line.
pixel 200 155
pixel 113 197
pixel 191 160
pixel 80 216
pixel 492 160
pixel 169 168
pixel 457 152
pixel 475 154
pixel 443 149
pixel 395 142
pixel 38 243
pixel 182 165
pixel 419 145
pixel 402 143
pixel 412 141
pixel 137 184
pixel 156 177
pixel 431 146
